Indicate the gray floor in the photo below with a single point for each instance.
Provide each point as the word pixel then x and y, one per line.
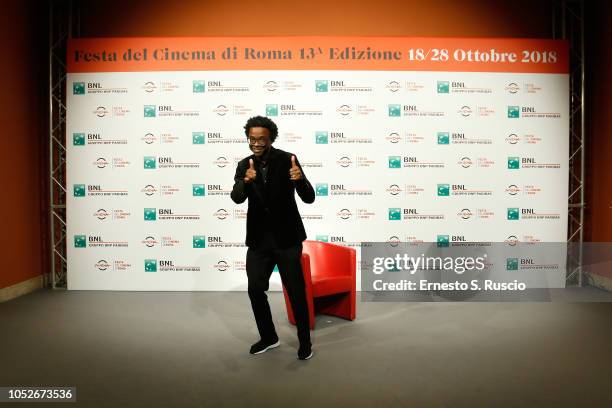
pixel 177 349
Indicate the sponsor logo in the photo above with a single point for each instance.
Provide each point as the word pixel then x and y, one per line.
pixel 78 139
pixel 101 214
pixel 344 214
pixel 443 138
pixel 198 190
pixel 149 86
pixel 221 214
pixel 199 241
pixel 513 112
pixel 395 162
pixel 221 266
pixel 149 162
pixel 79 190
pixel 321 189
pixel 443 87
pixel 531 163
pixel 512 214
pixel 443 190
pixel 344 161
pixel 395 214
pixel 512 138
pixel 221 162
pixel 271 110
pixel 394 110
pixel 150 214
pixel 101 111
pixel 344 110
pixel 394 137
pixel 78 88
pixel 221 110
pixel 414 110
pixel 149 111
pixel 150 265
pixel 393 86
pixel 149 190
pixel 514 163
pixel 393 241
pixel 513 189
pixel 149 241
pixel 321 137
pixel 442 241
pixel 270 86
pixel 198 138
pixel 512 264
pixel 512 88
pixel 512 240
pixel 465 111
pixel 465 214
pixel 198 86
pixel 80 241
pixel 394 189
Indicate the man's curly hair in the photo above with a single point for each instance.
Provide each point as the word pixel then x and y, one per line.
pixel 264 122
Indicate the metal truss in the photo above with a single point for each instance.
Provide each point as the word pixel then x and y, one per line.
pixel 568 24
pixel 61 14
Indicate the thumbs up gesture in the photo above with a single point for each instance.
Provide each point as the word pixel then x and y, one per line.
pixel 294 172
pixel 250 174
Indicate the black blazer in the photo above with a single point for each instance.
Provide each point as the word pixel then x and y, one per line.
pixel 272 203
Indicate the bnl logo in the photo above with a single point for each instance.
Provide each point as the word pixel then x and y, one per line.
pixel 150 214
pixel 150 162
pixel 442 241
pixel 198 138
pixel 512 214
pixel 322 189
pixel 443 190
pixel 79 190
pixel 149 111
pixel 395 214
pixel 321 85
pixel 514 112
pixel 199 241
pixel 395 162
pixel 272 110
pixel 322 238
pixel 514 163
pixel 512 264
pixel 198 190
pixel 198 86
pixel 395 110
pixel 150 265
pixel 443 138
pixel 443 87
pixel 80 241
pixel 78 139
pixel 78 88
pixel 321 137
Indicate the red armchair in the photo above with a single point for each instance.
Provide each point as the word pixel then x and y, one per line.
pixel 329 274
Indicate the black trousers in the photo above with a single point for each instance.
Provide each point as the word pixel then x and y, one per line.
pixel 259 266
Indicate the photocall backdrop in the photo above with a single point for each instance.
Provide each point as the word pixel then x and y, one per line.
pixel 443 140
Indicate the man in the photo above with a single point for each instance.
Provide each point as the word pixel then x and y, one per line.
pixel 268 178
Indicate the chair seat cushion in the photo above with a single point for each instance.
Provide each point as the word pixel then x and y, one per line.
pixel 329 285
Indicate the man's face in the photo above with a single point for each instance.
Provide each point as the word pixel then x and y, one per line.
pixel 259 140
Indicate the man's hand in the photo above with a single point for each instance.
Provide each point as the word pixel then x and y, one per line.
pixel 250 174
pixel 294 172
